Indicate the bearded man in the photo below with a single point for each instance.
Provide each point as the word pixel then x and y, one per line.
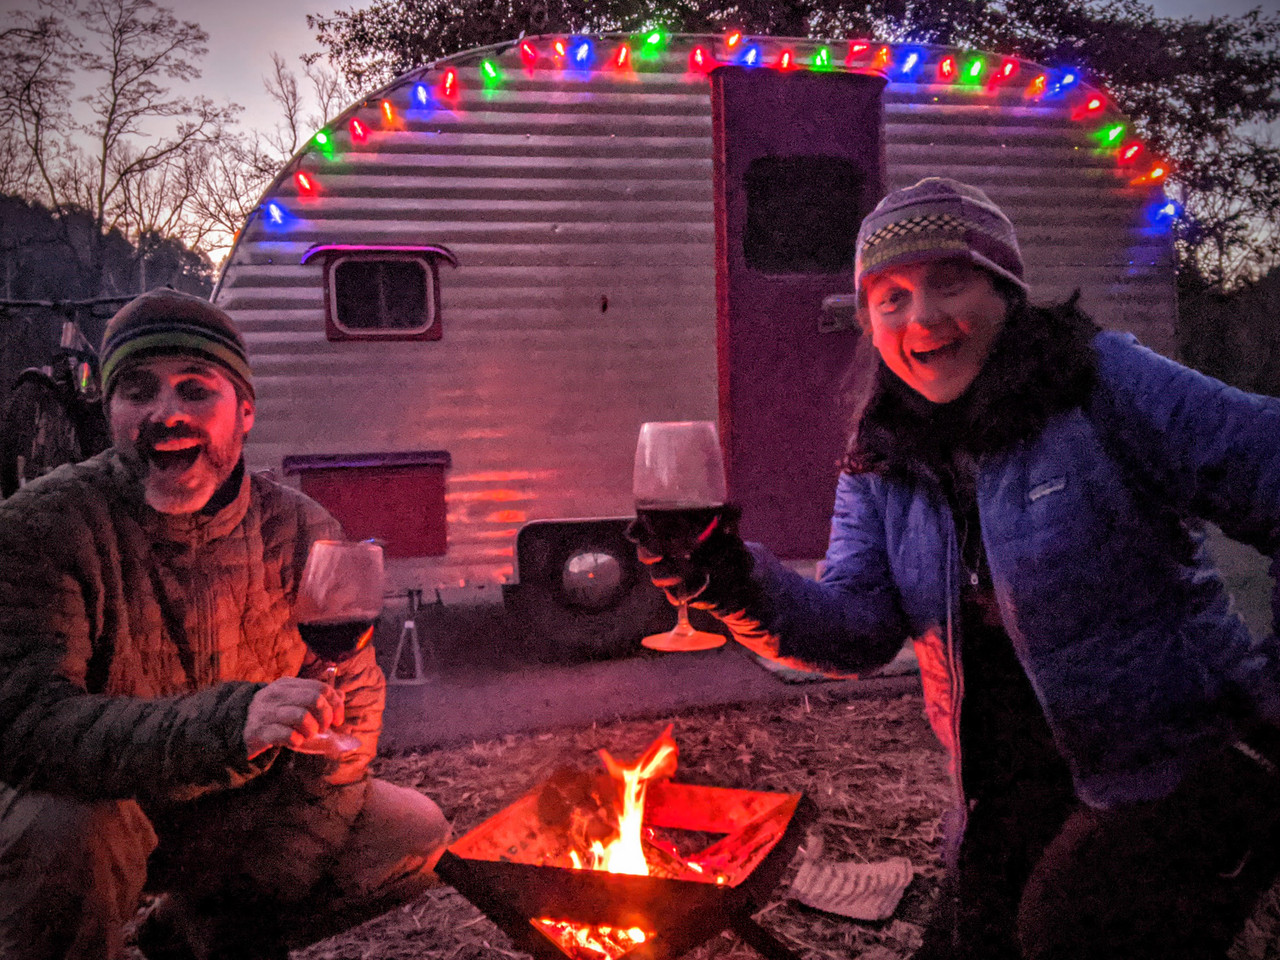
pixel 152 681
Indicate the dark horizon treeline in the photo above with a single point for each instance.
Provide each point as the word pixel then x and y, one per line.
pixel 43 257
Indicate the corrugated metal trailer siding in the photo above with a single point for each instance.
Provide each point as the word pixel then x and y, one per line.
pixel 555 191
pixel 553 196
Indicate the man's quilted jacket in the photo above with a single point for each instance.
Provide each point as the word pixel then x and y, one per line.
pixel 131 642
pixel 1118 616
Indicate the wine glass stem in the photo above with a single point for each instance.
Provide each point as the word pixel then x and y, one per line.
pixel 682 618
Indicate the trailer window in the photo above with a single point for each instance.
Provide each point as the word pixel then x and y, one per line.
pixel 802 214
pixel 382 296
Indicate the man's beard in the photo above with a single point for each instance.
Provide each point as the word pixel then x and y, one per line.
pixel 182 481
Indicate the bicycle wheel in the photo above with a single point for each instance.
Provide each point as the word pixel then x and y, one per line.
pixel 36 434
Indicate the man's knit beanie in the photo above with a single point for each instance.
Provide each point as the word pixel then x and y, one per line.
pixel 935 219
pixel 168 322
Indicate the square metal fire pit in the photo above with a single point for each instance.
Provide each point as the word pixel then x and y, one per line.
pixel 501 867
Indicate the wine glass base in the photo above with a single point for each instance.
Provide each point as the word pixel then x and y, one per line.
pixel 683 641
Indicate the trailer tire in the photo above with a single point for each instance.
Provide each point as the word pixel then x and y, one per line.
pixel 556 619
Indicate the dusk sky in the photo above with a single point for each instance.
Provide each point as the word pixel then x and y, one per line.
pixel 244 33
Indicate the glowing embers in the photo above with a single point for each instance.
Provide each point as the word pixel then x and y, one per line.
pixel 588 943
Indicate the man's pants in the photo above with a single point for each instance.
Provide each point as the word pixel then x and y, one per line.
pixel 1042 877
pixel 243 876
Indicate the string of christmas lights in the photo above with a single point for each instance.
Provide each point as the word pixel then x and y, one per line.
pixel 585 57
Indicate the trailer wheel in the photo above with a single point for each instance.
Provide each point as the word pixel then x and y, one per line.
pixel 37 434
pixel 582 593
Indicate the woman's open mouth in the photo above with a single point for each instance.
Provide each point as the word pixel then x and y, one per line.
pixel 945 352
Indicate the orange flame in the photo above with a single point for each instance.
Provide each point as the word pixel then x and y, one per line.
pixel 626 854
pixel 623 854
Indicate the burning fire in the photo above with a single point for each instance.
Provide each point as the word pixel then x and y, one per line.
pixel 626 853
pixel 623 854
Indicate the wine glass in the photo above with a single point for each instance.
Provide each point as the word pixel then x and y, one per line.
pixel 679 489
pixel 339 600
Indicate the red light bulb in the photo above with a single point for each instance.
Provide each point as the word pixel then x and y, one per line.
pixel 305 184
pixel 947 68
pixel 359 133
pixel 1130 153
pixel 528 55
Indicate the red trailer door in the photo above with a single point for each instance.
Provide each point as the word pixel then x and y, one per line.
pixel 799 162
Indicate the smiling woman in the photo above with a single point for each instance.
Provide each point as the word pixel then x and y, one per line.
pixel 934 324
pixel 1022 499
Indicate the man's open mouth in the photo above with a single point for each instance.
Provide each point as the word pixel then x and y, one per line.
pixel 944 352
pixel 180 458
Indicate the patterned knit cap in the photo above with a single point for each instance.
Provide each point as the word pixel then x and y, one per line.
pixel 934 219
pixel 168 322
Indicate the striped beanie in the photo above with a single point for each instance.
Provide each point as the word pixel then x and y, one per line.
pixel 934 219
pixel 165 321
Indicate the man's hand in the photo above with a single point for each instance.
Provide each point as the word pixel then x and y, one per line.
pixel 287 711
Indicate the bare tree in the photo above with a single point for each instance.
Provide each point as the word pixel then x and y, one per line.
pixel 109 162
pixel 228 177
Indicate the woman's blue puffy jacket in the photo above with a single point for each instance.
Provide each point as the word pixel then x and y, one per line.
pixel 1113 604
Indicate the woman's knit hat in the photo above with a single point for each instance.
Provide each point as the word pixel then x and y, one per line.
pixel 168 322
pixel 934 219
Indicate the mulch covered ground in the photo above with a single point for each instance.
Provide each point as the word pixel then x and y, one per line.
pixel 872 768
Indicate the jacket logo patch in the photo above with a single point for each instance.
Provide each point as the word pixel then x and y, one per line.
pixel 1046 488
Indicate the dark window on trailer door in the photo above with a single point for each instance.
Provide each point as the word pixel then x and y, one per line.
pixel 802 214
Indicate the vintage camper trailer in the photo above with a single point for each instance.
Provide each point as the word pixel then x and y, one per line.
pixel 464 296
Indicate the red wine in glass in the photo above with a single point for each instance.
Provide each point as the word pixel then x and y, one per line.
pixel 337 640
pixel 339 599
pixel 679 491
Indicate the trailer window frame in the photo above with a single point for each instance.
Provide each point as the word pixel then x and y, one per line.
pixel 428 258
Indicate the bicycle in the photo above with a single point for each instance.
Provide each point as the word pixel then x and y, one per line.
pixel 54 414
